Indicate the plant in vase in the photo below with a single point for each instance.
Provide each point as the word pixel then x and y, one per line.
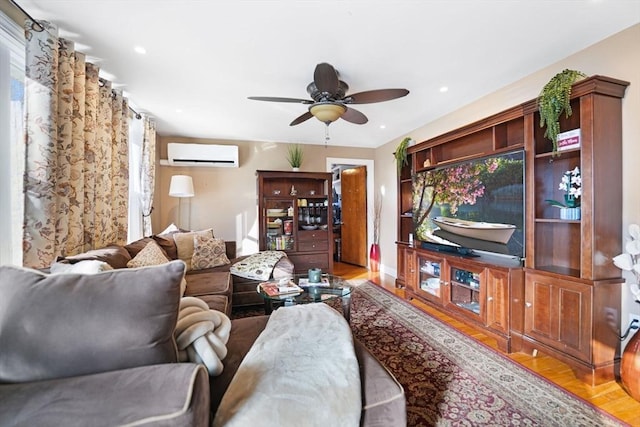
pixel 374 252
pixel 295 156
pixel 630 363
pixel 571 185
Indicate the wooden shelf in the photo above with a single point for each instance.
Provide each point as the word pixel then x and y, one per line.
pixel 559 301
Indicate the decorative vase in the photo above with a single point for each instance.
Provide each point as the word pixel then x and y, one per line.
pixel 296 169
pixel 374 257
pixel 570 213
pixel 630 367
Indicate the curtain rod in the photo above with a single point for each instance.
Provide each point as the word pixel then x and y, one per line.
pixel 36 23
pixel 135 113
pixel 24 12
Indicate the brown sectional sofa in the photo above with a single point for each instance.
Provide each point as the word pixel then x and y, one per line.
pixel 383 397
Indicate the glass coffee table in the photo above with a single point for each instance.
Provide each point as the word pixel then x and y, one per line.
pixel 331 287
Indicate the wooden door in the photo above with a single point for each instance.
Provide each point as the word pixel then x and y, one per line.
pixel 354 215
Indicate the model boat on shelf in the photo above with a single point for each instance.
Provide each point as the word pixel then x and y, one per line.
pixel 491 231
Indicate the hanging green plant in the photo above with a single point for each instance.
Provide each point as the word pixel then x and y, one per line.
pixel 554 99
pixel 401 153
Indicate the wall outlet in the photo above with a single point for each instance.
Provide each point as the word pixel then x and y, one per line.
pixel 633 317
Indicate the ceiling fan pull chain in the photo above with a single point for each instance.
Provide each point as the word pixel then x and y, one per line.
pixel 326 135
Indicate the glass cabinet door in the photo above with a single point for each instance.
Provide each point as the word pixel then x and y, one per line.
pixel 465 290
pixel 313 213
pixel 279 215
pixel 429 278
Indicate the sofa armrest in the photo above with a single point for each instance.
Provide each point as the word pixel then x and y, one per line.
pixel 172 394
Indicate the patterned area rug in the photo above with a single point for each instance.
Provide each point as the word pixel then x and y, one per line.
pixel 451 379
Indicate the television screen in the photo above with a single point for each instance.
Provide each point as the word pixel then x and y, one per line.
pixel 476 205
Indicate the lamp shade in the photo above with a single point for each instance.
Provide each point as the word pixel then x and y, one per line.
pixel 327 112
pixel 181 186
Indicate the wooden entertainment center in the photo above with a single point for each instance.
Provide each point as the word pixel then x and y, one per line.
pixel 563 298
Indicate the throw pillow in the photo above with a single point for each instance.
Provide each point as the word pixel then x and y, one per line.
pixel 114 255
pixel 152 254
pixel 257 266
pixel 82 267
pixel 184 244
pixel 208 252
pixel 63 325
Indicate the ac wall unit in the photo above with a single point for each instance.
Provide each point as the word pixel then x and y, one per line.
pixel 225 156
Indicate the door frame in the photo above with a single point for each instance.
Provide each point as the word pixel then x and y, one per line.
pixel 369 164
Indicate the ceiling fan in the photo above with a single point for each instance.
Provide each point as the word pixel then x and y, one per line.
pixel 330 100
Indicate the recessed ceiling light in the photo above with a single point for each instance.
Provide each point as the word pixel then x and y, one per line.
pixel 444 89
pixel 178 110
pixel 383 126
pixel 140 50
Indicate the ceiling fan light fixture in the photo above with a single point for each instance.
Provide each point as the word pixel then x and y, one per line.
pixel 327 112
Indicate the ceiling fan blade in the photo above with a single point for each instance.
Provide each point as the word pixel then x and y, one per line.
pixel 277 99
pixel 379 95
pixel 326 78
pixel 303 118
pixel 354 116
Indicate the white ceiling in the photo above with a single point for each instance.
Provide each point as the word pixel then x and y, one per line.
pixel 205 57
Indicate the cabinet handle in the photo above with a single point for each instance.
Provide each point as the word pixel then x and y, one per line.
pixel 490 299
pixel 444 283
pixel 528 304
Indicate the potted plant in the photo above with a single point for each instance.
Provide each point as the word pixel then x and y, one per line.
pixel 630 362
pixel 554 99
pixel 401 153
pixel 294 156
pixel 571 184
pixel 374 252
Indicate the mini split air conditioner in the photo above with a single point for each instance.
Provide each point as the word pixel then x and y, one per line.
pixel 209 155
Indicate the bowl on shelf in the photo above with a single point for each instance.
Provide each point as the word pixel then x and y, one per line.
pixel 323 226
pixel 275 211
pixel 309 227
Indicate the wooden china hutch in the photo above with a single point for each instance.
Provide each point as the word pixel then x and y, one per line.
pixel 295 216
pixel 563 298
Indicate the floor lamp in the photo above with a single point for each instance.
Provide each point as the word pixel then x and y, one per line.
pixel 181 186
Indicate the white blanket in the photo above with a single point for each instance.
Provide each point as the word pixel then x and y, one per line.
pixel 202 334
pixel 301 371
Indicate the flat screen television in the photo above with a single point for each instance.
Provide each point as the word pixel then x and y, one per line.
pixel 473 207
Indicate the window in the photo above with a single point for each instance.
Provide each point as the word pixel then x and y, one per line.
pixel 11 140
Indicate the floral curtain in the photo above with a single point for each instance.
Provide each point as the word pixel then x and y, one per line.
pixel 148 173
pixel 76 177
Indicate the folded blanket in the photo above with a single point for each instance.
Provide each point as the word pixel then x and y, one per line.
pixel 301 371
pixel 258 266
pixel 202 334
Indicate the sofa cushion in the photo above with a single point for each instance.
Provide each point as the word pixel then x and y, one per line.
pixel 115 256
pixel 213 287
pixel 208 252
pixel 62 325
pixel 152 254
pixel 184 244
pixel 166 395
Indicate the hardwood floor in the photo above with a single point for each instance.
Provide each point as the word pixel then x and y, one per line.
pixel 609 397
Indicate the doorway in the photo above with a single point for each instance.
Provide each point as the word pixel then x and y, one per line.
pixel 357 248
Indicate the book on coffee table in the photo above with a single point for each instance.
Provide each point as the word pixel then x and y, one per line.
pixel 304 281
pixel 276 288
